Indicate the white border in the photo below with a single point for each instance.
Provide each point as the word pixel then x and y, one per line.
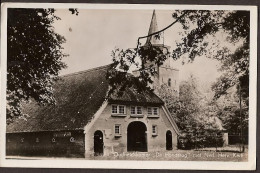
pixel 195 165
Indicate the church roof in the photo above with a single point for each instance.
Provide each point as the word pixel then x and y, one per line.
pixel 78 97
pixel 153 28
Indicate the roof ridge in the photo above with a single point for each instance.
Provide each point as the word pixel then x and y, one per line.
pixel 85 71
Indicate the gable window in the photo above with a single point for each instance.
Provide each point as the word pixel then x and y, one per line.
pixel 114 109
pixel 169 82
pixel 118 110
pixel 136 111
pixel 154 130
pixel 153 111
pixel 133 110
pixel 149 111
pixel 139 110
pixel 121 109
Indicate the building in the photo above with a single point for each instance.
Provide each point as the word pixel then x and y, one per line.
pixel 86 122
pixel 166 74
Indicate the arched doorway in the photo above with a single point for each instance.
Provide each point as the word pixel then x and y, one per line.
pixel 98 143
pixel 168 140
pixel 136 137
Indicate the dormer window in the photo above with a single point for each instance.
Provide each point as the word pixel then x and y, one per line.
pixel 118 110
pixel 169 82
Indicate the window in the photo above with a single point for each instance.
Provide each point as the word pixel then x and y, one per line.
pixel 114 109
pixel 118 109
pixel 169 82
pixel 136 110
pixel 37 140
pixel 149 111
pixel 72 139
pixel 117 129
pixel 139 110
pixel 121 109
pixel 133 110
pixel 154 130
pixel 153 111
pixel 53 140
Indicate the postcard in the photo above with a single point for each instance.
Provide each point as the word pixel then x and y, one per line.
pixel 128 86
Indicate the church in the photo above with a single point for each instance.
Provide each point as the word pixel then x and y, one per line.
pixel 85 122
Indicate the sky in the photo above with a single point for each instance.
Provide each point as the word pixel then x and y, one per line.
pixel 93 34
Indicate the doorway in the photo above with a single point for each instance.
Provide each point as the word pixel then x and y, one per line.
pixel 136 137
pixel 168 140
pixel 98 143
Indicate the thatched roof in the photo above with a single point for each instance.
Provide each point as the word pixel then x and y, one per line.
pixel 78 97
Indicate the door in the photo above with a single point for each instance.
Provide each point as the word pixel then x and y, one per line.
pixel 136 137
pixel 168 140
pixel 98 143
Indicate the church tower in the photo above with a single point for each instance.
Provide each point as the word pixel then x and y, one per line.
pixel 167 74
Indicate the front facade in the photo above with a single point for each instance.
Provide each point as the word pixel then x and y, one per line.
pixel 131 127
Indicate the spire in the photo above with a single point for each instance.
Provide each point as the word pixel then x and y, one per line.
pixel 153 28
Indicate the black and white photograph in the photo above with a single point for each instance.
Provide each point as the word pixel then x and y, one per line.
pixel 88 85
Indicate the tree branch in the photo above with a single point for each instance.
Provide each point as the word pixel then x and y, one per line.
pixel 163 28
pixel 139 38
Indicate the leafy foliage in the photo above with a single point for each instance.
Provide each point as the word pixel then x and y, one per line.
pixel 200 31
pixel 193 115
pixel 34 56
pixel 119 76
pixel 228 111
pixel 198 26
pixel 235 65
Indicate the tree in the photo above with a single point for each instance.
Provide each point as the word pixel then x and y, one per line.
pixel 198 26
pixel 201 29
pixel 193 115
pixel 34 54
pixel 228 110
